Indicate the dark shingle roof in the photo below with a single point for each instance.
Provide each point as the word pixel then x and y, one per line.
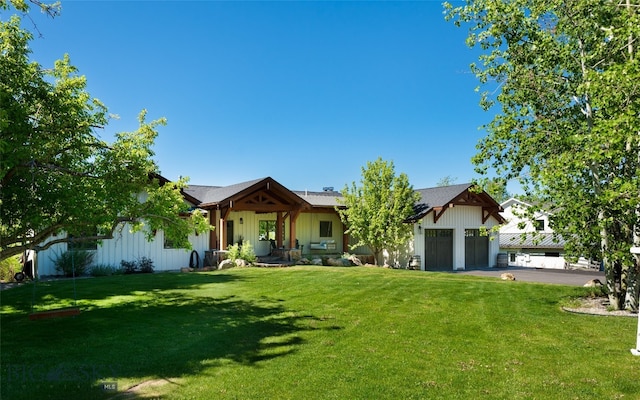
pixel 214 194
pixel 441 195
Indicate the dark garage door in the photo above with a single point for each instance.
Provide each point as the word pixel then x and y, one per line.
pixel 438 249
pixel 476 249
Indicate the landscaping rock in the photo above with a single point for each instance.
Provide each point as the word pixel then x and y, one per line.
pixel 186 269
pixel 354 260
pixel 316 261
pixel 226 264
pixel 507 276
pixel 241 263
pixel 593 283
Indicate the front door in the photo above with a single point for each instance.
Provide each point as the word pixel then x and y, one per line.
pixel 230 233
pixel 438 249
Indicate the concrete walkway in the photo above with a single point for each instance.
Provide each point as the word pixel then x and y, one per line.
pixel 556 276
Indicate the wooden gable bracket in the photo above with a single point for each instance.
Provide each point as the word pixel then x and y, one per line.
pixel 488 212
pixel 438 211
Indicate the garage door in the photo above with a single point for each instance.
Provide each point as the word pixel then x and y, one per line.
pixel 438 249
pixel 476 249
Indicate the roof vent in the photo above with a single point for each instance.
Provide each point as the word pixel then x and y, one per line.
pixel 327 189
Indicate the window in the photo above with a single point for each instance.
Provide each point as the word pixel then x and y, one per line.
pixel 171 244
pixel 266 230
pixel 80 244
pixel 512 257
pixel 326 229
pixel 539 224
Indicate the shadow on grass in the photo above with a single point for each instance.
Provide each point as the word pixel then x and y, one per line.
pixel 169 331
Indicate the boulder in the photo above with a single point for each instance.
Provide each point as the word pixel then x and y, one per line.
pixel 316 261
pixel 241 263
pixel 186 269
pixel 507 276
pixel 593 283
pixel 354 260
pixel 226 264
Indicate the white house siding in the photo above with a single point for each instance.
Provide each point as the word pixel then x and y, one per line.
pixel 129 247
pixel 458 219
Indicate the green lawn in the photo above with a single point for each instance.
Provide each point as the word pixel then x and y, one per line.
pixel 313 332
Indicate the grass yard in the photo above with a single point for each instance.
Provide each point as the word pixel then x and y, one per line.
pixel 312 332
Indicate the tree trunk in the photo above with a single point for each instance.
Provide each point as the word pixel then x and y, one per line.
pixel 613 271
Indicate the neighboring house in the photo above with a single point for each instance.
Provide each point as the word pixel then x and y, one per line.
pixel 447 227
pixel 529 242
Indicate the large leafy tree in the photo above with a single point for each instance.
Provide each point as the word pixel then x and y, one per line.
pixel 57 175
pixel 566 78
pixel 376 211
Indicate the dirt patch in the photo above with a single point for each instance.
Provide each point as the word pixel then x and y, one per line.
pixel 598 306
pixel 151 388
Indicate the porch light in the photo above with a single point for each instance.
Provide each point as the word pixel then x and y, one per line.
pixel 241 221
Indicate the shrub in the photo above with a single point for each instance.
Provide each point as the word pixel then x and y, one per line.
pixel 145 265
pixel 129 267
pixel 233 252
pixel 244 252
pixel 73 262
pixel 142 265
pixel 104 270
pixel 9 267
pixel 247 253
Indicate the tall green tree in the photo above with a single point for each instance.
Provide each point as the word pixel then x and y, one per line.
pixel 57 175
pixel 376 211
pixel 565 80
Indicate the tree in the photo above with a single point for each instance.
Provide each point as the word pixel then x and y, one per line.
pixel 56 175
pixel 376 211
pixel 447 181
pixel 566 75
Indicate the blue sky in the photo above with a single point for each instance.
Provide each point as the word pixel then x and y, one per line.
pixel 305 92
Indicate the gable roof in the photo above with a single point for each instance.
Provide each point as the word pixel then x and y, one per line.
pixel 440 199
pixel 264 194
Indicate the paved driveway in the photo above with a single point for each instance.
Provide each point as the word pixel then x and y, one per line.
pixel 557 276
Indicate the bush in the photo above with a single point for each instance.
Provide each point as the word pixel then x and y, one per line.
pixel 146 265
pixel 73 262
pixel 104 270
pixel 142 265
pixel 244 252
pixel 9 267
pixel 129 267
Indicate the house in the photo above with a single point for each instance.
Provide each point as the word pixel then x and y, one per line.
pixel 448 227
pixel 529 241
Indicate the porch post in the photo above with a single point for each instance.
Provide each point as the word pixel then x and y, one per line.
pixel 279 229
pixel 223 233
pixel 293 217
pixel 212 234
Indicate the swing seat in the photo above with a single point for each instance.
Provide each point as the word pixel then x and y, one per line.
pixel 61 312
